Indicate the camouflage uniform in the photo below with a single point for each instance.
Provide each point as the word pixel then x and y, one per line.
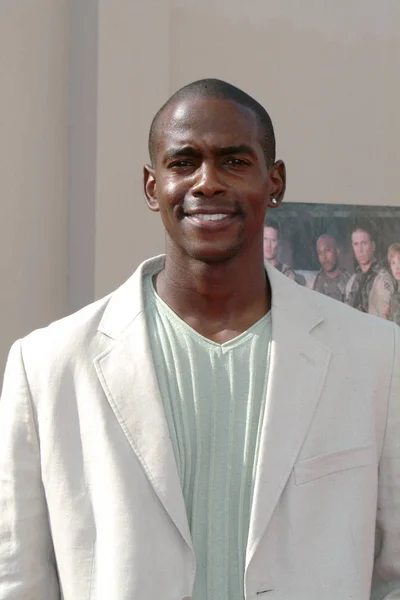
pixel 395 306
pixel 286 270
pixel 334 287
pixel 372 291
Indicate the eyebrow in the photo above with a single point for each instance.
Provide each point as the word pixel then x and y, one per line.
pixel 240 149
pixel 172 153
pixel 190 151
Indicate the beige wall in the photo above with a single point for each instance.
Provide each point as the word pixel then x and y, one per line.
pixel 82 150
pixel 133 82
pixel 75 136
pixel 33 165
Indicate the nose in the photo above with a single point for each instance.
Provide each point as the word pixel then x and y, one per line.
pixel 209 182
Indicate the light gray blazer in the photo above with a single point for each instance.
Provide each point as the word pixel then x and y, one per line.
pixel 90 501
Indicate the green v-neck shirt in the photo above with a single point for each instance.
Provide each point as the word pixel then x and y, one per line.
pixel 213 396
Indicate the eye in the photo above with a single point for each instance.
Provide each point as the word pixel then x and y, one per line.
pixel 180 164
pixel 237 162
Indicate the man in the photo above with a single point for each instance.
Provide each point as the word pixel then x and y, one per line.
pixel 370 288
pixel 271 247
pixel 394 264
pixel 331 280
pixel 153 445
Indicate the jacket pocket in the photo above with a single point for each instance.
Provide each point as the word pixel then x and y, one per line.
pixel 327 464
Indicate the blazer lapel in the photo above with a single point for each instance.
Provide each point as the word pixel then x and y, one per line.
pixel 298 366
pixel 297 370
pixel 128 378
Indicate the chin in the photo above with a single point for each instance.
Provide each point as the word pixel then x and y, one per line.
pixel 214 256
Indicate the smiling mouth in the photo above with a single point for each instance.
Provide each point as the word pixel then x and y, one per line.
pixel 209 217
pixel 211 222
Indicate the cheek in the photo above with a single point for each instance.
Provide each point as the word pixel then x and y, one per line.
pixel 173 189
pixel 395 267
pixel 170 202
pixel 253 195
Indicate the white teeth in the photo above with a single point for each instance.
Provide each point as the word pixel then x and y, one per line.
pixel 216 217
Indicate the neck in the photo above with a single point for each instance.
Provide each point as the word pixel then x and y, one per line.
pixel 365 268
pixel 332 274
pixel 219 300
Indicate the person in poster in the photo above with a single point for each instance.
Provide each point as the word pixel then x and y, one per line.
pixel 394 263
pixel 271 248
pixel 331 280
pixel 371 287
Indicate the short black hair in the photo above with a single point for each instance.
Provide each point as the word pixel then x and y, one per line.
pixel 366 228
pixel 274 225
pixel 215 88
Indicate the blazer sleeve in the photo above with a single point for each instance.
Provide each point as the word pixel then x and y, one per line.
pixel 27 565
pixel 386 580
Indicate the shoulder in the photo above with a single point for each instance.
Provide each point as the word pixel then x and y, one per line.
pixel 63 350
pixel 356 326
pixel 287 271
pixel 111 315
pixel 78 338
pixel 316 279
pixel 284 268
pixel 52 355
pixel 384 279
pixel 352 278
pixel 358 343
pixel 344 274
pixel 66 335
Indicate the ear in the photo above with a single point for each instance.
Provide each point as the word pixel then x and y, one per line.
pixel 150 188
pixel 277 184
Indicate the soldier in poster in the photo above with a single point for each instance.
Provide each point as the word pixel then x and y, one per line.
pixel 331 280
pixel 394 263
pixel 371 287
pixel 271 248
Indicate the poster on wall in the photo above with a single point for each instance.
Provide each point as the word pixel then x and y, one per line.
pixel 348 252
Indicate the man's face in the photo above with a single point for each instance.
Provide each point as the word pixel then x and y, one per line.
pixel 271 243
pixel 363 247
pixel 395 266
pixel 210 182
pixel 327 254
